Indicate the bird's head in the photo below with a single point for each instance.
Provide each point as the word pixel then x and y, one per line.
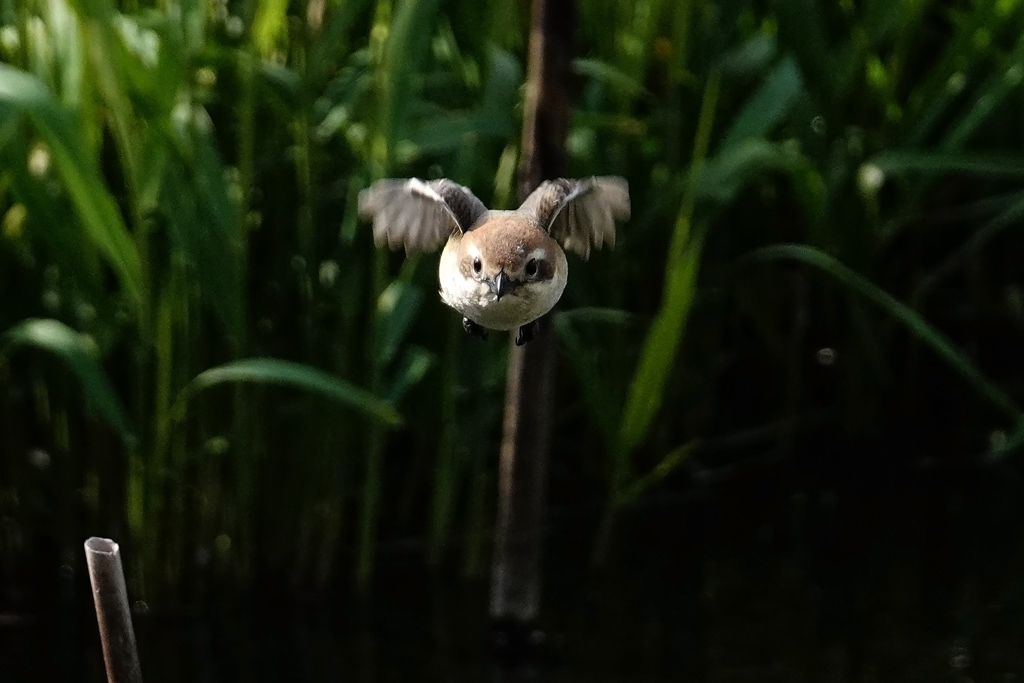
pixel 512 255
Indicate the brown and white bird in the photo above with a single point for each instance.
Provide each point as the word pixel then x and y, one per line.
pixel 500 269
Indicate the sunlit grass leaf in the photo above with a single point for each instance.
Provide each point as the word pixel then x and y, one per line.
pixel 446 131
pixel 751 57
pixel 944 85
pixel 609 75
pixel 280 81
pixel 665 467
pixel 79 258
pixel 296 375
pixel 996 88
pixel 938 162
pixel 396 310
pixel 411 369
pixel 337 107
pixel 202 221
pixel 95 206
pixel 147 55
pixel 661 346
pixel 501 90
pixel 151 170
pixel 734 166
pixel 407 41
pixel 269 24
pixel 802 29
pixel 335 39
pixel 66 45
pixel 666 333
pixel 905 315
pixel 744 152
pixel 766 108
pixel 78 353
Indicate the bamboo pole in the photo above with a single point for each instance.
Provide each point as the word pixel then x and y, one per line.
pixel 112 612
pixel 515 574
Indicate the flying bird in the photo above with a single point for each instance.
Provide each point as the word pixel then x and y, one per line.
pixel 502 270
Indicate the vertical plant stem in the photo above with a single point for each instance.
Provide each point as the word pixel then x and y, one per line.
pixel 156 475
pixel 243 421
pixel 665 336
pixel 374 456
pixel 529 397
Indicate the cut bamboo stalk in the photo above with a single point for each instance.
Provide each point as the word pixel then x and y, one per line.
pixel 529 393
pixel 112 612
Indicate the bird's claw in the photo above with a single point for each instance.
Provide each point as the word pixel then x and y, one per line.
pixel 526 333
pixel 473 328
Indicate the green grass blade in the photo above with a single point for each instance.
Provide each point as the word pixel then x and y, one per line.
pixel 269 24
pixel 767 107
pixel 609 75
pixel 334 40
pixel 937 162
pixel 725 174
pixel 661 346
pixel 665 467
pixel 396 311
pixel 446 131
pixel 78 257
pixel 414 365
pixel 405 48
pixel 905 315
pixel 78 352
pixel 82 179
pixel 997 88
pixel 202 224
pixel 802 29
pixel 663 340
pixel 287 373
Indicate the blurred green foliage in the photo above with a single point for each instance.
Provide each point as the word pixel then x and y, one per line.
pixel 822 196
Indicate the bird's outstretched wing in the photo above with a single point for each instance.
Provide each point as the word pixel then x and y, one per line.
pixel 580 213
pixel 417 214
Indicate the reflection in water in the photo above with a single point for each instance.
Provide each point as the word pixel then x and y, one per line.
pixel 913 580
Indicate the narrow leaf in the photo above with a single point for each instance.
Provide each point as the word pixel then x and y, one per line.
pixel 269 24
pixel 768 105
pixel 412 368
pixel 287 373
pixel 666 333
pixel 665 467
pixel 95 206
pixel 928 162
pixel 202 219
pixel 905 315
pixel 78 353
pixel 396 310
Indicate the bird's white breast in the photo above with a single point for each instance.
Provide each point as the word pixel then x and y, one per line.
pixel 476 301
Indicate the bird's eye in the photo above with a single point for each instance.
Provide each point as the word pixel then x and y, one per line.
pixel 476 264
pixel 531 267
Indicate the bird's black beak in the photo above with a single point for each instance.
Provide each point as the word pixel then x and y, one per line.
pixel 501 284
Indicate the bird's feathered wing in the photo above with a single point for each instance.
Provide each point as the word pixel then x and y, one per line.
pixel 580 213
pixel 417 214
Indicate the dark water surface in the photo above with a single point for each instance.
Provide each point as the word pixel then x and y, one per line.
pixel 917 577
